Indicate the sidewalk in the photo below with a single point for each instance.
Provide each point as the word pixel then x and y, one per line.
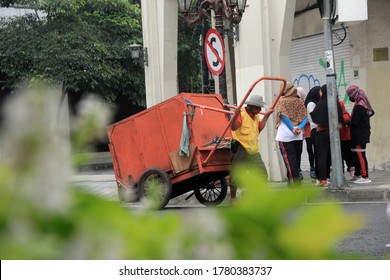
pixel 102 182
pixel 377 190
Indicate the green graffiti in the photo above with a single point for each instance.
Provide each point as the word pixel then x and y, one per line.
pixel 342 81
pixel 322 63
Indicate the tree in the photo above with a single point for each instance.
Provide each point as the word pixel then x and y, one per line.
pixel 81 44
pixel 189 55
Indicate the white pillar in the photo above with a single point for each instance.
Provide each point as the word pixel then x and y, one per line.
pixel 263 50
pixel 159 28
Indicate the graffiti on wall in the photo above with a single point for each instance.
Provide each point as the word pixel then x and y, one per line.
pixel 308 81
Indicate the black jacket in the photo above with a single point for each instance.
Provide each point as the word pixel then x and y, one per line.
pixel 320 113
pixel 360 126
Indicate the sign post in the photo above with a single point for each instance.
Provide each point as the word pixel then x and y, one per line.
pixel 214 52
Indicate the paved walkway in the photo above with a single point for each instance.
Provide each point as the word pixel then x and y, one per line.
pixel 377 190
pixel 102 182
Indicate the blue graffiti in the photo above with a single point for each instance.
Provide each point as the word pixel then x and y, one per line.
pixel 308 81
pixel 311 80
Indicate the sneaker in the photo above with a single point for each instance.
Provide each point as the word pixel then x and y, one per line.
pixel 313 173
pixel 323 183
pixel 352 171
pixel 300 175
pixel 354 178
pixel 363 181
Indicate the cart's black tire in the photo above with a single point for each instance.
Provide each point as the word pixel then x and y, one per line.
pixel 213 193
pixel 159 180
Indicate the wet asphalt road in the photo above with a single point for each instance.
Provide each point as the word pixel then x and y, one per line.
pixel 373 240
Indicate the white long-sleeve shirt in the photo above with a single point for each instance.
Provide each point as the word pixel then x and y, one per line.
pixel 310 107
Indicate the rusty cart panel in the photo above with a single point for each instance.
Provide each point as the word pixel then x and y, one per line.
pixel 152 138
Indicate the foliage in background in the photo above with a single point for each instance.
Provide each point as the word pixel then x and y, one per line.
pixel 81 44
pixel 44 215
pixel 190 54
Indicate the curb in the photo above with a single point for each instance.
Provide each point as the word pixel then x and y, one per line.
pixel 358 195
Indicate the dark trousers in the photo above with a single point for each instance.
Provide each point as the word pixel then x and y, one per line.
pixel 361 165
pixel 252 161
pixel 313 140
pixel 310 152
pixel 291 153
pixel 322 143
pixel 346 154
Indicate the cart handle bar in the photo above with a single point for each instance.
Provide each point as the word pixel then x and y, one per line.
pixel 240 106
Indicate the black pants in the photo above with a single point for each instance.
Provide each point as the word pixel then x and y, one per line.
pixel 313 140
pixel 322 144
pixel 310 152
pixel 291 153
pixel 346 154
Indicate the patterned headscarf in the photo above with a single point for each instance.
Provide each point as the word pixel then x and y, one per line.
pixel 360 98
pixel 291 105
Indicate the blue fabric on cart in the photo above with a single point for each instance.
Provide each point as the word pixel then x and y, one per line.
pixel 185 139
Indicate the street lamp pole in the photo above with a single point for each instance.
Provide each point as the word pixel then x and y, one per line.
pixel 338 179
pixel 231 10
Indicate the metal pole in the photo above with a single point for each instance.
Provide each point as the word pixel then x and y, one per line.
pixel 204 70
pixel 219 27
pixel 338 179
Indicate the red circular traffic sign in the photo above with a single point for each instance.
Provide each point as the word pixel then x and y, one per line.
pixel 214 52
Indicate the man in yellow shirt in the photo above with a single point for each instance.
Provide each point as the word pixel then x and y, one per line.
pixel 246 127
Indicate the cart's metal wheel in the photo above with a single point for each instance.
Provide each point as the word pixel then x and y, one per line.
pixel 155 188
pixel 213 193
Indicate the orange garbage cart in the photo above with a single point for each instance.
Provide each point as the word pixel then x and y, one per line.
pixel 183 144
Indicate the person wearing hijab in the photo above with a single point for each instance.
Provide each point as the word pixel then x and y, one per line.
pixel 322 138
pixel 311 100
pixel 360 132
pixel 290 122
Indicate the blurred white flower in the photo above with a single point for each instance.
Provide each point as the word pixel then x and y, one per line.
pixel 36 149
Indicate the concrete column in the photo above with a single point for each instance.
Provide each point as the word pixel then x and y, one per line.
pixel 159 28
pixel 263 50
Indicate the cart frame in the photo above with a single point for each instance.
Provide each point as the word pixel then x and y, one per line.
pixel 207 165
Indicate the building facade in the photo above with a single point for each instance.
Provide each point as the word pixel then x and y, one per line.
pixel 361 50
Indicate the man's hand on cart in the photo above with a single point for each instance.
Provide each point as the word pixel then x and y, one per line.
pixel 265 118
pixel 234 124
pixel 268 113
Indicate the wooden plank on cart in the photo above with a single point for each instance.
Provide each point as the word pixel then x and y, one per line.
pixel 181 163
